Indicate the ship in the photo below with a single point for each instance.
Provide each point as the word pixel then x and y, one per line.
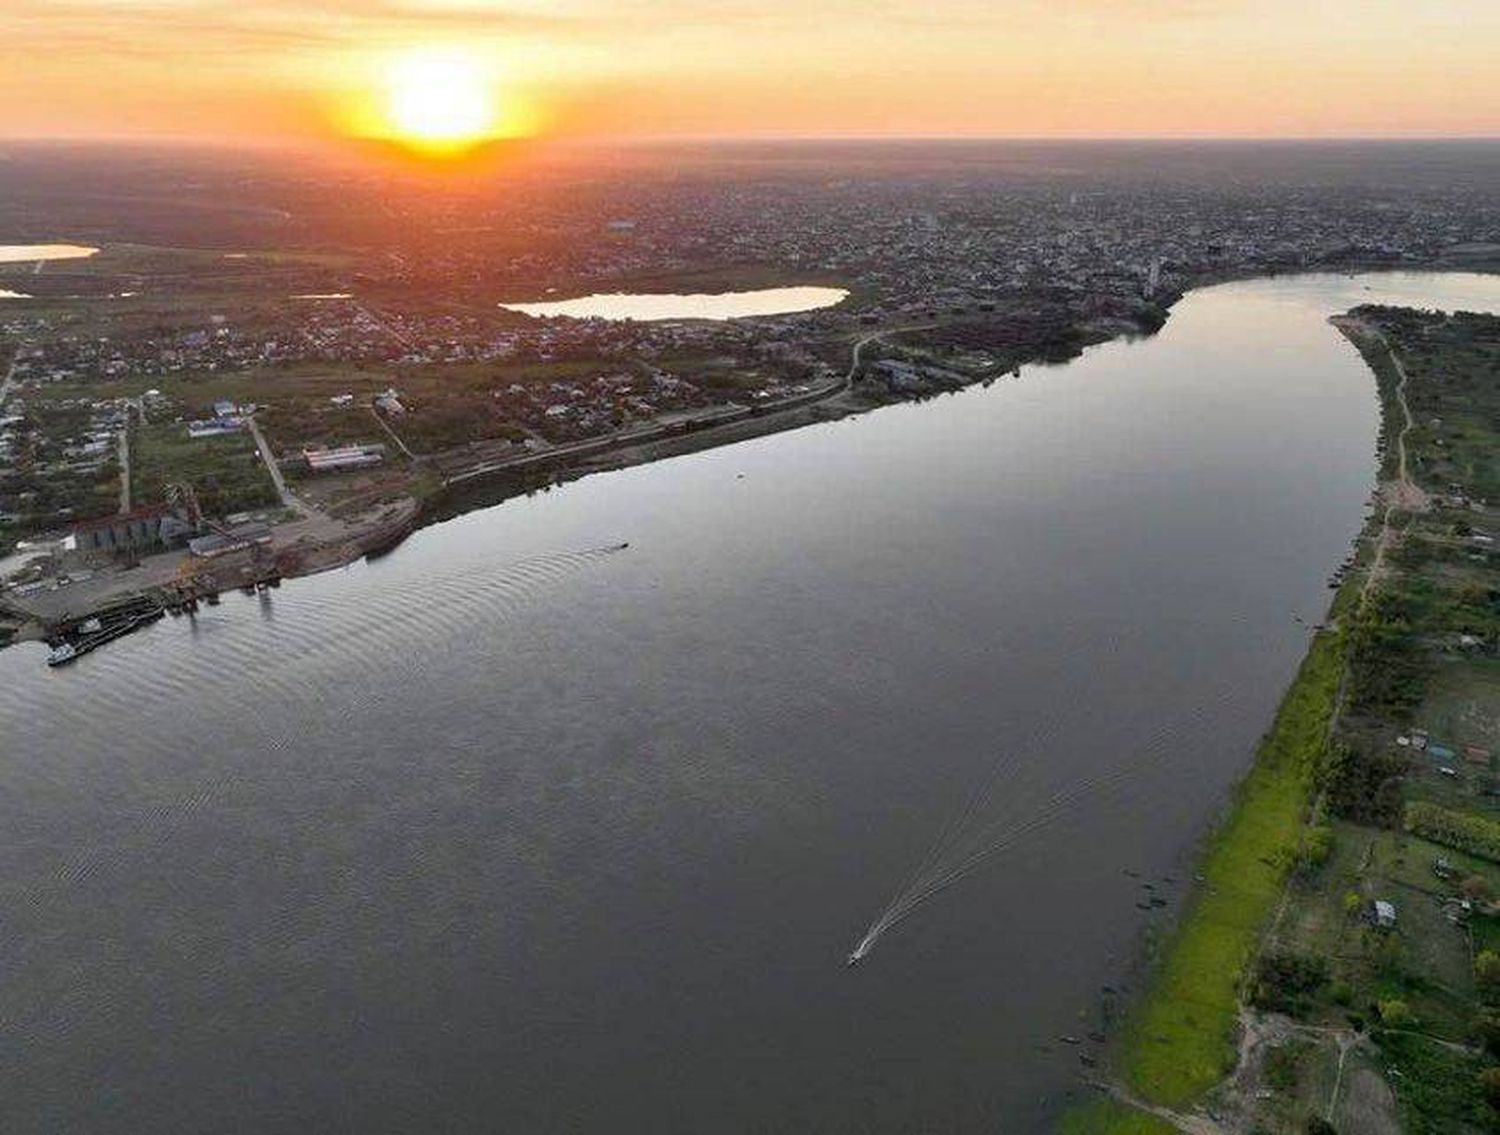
pixel 96 631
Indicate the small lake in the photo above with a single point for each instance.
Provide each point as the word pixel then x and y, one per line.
pixel 24 253
pixel 721 305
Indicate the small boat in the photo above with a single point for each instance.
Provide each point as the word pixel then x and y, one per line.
pixel 62 653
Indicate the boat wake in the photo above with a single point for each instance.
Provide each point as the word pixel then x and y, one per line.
pixel 1019 798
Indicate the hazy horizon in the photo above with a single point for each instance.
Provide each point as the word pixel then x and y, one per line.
pixel 673 70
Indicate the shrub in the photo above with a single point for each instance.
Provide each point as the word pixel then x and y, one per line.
pixel 1316 847
pixel 1487 972
pixel 1284 980
pixel 1478 835
pixel 1396 1014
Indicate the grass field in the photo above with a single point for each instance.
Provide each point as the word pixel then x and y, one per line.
pixel 225 472
pixel 1106 1117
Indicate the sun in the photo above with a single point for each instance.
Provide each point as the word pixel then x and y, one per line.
pixel 440 99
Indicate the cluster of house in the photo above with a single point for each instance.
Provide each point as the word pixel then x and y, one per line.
pixel 227 418
pixel 583 407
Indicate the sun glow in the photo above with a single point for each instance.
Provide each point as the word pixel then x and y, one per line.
pixel 440 97
pixel 436 102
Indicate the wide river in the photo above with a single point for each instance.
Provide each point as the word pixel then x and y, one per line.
pixel 507 832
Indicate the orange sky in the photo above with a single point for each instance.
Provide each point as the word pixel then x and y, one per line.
pixel 271 68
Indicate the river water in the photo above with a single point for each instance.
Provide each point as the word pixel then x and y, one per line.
pixel 509 831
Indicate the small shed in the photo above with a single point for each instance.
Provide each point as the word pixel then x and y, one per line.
pixel 1385 914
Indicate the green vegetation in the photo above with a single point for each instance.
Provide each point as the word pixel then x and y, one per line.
pixel 225 472
pixel 1478 835
pixel 1106 1117
pixel 1284 981
pixel 1409 823
pixel 1439 1091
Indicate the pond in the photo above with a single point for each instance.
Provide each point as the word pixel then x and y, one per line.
pixel 664 306
pixel 25 253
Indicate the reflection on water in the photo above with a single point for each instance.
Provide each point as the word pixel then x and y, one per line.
pixel 9 295
pixel 519 828
pixel 10 253
pixel 725 305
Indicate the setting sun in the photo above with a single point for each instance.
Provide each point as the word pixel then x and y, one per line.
pixel 441 98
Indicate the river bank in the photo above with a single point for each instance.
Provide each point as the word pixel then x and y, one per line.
pixel 1199 1049
pixel 337 545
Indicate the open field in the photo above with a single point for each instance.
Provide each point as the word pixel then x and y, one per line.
pixel 225 472
pixel 1106 1117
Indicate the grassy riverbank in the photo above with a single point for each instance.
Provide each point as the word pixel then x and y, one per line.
pixel 1285 930
pixel 1180 1041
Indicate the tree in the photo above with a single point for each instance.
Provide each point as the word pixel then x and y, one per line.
pixel 1487 1030
pixel 1396 1014
pixel 1487 971
pixel 1285 980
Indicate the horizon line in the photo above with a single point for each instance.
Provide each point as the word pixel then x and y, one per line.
pixel 312 142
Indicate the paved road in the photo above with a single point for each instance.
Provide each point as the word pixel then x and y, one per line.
pixel 125 467
pixel 874 336
pixel 859 345
pixel 394 436
pixel 5 383
pixel 271 467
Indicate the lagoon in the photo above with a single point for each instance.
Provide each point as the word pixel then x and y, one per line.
pixel 25 253
pixel 717 306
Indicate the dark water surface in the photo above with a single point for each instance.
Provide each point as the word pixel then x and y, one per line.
pixel 499 833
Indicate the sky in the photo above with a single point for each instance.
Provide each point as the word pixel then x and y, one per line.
pixel 242 70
